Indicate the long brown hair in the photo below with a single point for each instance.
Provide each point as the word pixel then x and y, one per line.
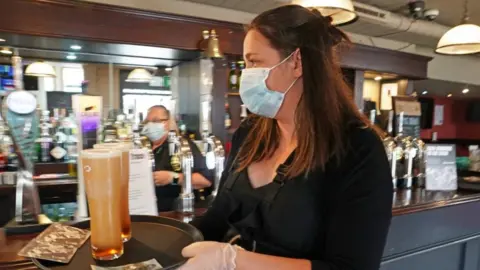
pixel 325 109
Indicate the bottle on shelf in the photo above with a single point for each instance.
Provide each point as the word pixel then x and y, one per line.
pixel 58 151
pixel 109 131
pixel 45 142
pixel 243 112
pixel 233 78
pixel 228 116
pixel 241 67
pixel 122 132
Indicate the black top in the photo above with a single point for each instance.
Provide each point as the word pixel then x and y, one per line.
pixel 166 195
pixel 337 218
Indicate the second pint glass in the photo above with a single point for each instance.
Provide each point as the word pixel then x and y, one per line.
pixel 102 184
pixel 125 177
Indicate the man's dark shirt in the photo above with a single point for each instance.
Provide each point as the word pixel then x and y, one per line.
pixel 166 195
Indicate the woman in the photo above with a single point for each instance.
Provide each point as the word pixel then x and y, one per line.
pixel 168 174
pixel 307 183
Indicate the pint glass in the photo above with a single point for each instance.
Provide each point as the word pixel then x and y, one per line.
pixel 102 184
pixel 125 176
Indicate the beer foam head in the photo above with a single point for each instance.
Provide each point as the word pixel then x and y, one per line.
pixel 121 146
pixel 100 153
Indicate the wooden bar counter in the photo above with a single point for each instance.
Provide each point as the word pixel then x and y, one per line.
pixel 429 230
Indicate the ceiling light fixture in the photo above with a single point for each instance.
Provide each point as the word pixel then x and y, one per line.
pixel 2 40
pixel 6 51
pixel 139 75
pixel 424 92
pixel 378 78
pixel 449 95
pixel 168 69
pixel 466 90
pixel 40 69
pixel 461 39
pixel 341 11
pixel 76 47
pixel 71 57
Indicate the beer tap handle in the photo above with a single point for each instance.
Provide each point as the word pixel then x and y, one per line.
pixel 219 164
pixel 172 138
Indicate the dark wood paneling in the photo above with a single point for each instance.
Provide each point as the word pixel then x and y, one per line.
pixel 383 60
pixel 423 230
pixel 96 22
pixel 83 20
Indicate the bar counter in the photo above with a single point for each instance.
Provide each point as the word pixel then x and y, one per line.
pixel 429 230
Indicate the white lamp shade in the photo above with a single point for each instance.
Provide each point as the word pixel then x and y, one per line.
pixel 40 69
pixel 139 75
pixel 341 11
pixel 462 39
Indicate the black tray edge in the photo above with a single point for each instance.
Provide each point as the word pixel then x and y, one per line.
pixel 192 230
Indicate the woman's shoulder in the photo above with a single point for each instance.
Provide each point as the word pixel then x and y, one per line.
pixel 362 136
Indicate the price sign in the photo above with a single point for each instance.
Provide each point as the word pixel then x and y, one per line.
pixel 441 167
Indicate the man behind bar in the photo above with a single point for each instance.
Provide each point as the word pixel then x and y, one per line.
pixel 168 174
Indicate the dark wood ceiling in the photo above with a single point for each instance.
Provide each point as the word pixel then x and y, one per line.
pixel 48 48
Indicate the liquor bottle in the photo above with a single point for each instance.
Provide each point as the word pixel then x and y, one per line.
pixel 243 112
pixel 233 77
pixel 58 151
pixel 241 67
pixel 109 131
pixel 45 142
pixel 122 133
pixel 228 118
pixel 71 145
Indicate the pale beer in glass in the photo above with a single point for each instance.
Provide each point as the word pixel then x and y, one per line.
pixel 125 177
pixel 102 177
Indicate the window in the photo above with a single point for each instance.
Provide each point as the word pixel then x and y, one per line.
pixel 72 78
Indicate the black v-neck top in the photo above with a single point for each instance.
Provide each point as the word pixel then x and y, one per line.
pixel 337 218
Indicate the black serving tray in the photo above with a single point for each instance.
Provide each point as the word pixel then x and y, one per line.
pixel 153 237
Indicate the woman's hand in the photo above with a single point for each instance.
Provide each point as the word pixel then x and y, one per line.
pixel 209 256
pixel 162 178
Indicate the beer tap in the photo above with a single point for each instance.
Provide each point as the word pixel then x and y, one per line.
pixel 219 164
pixel 420 162
pixel 212 148
pixel 180 148
pixel 410 152
pixel 19 112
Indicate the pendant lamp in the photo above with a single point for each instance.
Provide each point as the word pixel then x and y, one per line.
pixel 40 69
pixel 341 11
pixel 139 75
pixel 461 39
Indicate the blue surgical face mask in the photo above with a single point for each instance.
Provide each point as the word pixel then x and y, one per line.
pixel 154 131
pixel 255 94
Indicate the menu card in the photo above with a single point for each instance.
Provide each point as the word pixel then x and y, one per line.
pixel 142 199
pixel 441 167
